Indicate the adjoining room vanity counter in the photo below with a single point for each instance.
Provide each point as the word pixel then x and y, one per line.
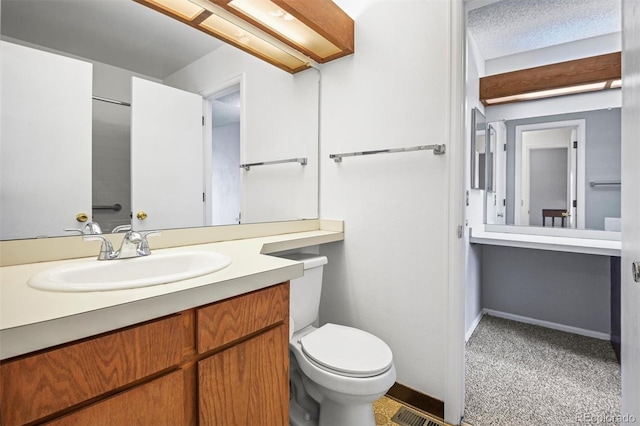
pixel 553 239
pixel 32 319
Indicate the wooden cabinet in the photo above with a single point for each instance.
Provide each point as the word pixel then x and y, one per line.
pixel 246 383
pixel 221 364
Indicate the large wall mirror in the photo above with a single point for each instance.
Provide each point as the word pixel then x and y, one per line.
pixel 559 171
pixel 131 74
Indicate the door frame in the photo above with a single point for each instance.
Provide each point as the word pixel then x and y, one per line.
pixel 208 95
pixel 580 191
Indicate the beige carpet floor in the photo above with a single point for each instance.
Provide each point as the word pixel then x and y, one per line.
pixel 519 375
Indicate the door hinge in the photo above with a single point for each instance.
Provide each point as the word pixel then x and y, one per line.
pixel 575 203
pixel 505 147
pixel 203 197
pixel 504 201
pixel 460 231
pixel 575 144
pixel 203 120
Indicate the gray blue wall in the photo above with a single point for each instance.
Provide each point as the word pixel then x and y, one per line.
pixel 564 288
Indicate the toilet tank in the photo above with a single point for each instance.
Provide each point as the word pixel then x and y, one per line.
pixel 305 291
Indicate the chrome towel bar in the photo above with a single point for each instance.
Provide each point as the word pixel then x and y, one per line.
pixel 110 101
pixel 601 183
pixel 302 161
pixel 437 150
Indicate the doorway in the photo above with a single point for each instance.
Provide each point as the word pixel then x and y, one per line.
pixel 224 200
pixel 549 170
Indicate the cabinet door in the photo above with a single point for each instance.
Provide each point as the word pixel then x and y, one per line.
pixel 166 156
pixel 45 138
pixel 48 382
pixel 159 403
pixel 247 384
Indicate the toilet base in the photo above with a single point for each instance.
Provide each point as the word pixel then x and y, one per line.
pixel 335 414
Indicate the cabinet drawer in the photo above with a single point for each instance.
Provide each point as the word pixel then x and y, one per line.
pixel 229 320
pixel 157 403
pixel 38 385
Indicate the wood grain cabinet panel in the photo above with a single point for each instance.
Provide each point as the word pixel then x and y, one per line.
pixel 36 386
pixel 158 403
pixel 222 364
pixel 224 322
pixel 248 383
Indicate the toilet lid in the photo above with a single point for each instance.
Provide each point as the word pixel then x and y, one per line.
pixel 347 351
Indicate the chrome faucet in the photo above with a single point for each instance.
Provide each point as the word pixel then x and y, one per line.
pixel 135 244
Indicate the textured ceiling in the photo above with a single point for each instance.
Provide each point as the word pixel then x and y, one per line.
pixel 507 27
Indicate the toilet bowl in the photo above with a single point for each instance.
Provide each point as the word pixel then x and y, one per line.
pixel 336 372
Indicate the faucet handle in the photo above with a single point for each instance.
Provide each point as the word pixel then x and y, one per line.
pixel 121 228
pixel 144 244
pixel 106 249
pixel 91 228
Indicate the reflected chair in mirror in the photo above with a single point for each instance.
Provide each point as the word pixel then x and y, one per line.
pixel 553 214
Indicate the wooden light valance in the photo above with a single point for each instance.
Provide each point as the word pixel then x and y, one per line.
pixel 577 76
pixel 289 34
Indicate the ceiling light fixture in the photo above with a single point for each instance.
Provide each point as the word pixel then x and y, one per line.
pixel 564 78
pixel 289 34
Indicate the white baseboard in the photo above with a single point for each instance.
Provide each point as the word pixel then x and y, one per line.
pixel 547 324
pixel 473 326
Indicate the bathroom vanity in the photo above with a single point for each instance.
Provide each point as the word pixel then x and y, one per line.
pixel 208 350
pixel 223 363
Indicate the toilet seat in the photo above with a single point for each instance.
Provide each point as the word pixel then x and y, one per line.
pixel 347 351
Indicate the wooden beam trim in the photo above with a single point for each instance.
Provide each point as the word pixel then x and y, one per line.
pixel 564 74
pixel 325 18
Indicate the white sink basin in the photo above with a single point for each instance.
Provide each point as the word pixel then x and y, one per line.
pixel 119 274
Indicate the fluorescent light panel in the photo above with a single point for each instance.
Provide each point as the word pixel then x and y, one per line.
pixel 549 93
pixel 272 16
pixel 226 26
pixel 183 8
pixel 250 41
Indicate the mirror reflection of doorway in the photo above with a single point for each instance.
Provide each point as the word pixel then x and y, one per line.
pixel 547 167
pixel 225 157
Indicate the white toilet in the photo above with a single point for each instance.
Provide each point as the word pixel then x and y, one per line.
pixel 337 372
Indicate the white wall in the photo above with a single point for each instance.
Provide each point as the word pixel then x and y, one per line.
pixel 390 275
pixel 280 122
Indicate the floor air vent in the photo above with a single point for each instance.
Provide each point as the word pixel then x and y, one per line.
pixel 405 417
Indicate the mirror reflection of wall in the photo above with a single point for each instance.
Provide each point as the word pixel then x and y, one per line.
pixel 281 113
pixel 598 164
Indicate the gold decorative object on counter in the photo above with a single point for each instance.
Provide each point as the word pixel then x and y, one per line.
pixel 82 217
pixel 141 215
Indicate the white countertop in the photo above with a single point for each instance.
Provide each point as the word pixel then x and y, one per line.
pixel 32 319
pixel 566 243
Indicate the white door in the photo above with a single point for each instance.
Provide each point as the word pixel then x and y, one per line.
pixel 166 157
pixel 45 161
pixel 630 209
